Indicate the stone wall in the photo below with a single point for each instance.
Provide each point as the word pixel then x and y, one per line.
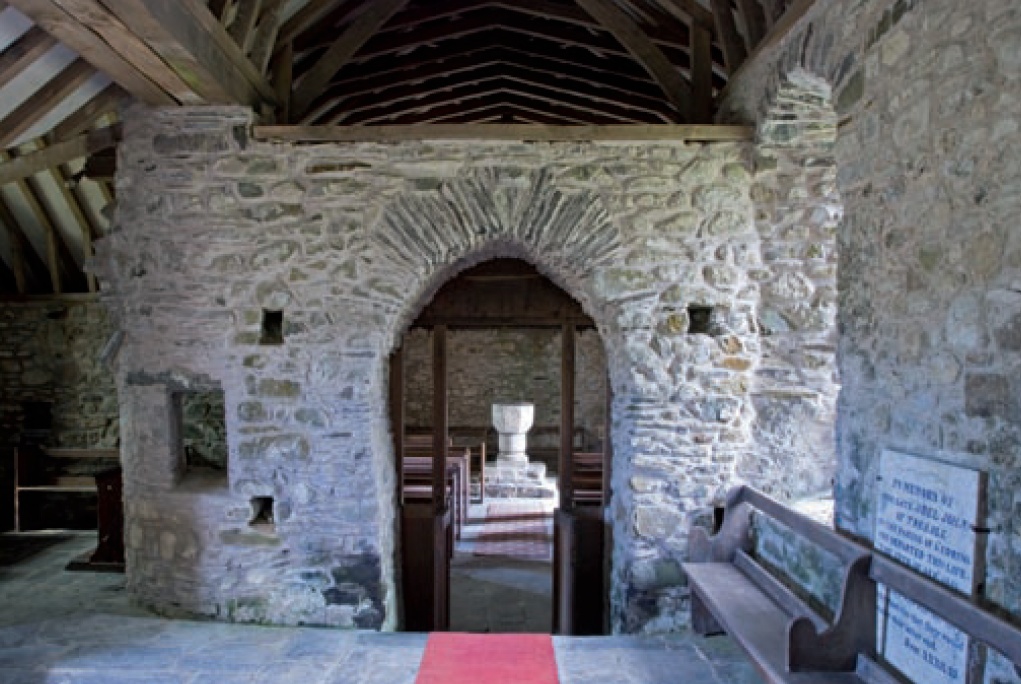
pixel 929 169
pixel 486 366
pixel 50 354
pixel 349 241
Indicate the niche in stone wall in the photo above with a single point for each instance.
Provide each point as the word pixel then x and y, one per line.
pixel 202 431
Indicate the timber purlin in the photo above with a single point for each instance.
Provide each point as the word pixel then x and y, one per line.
pixel 785 638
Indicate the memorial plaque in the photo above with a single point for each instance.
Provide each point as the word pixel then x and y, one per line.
pixel 927 516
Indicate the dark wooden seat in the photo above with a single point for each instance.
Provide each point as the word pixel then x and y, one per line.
pixel 786 640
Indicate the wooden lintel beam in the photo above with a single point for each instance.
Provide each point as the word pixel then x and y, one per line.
pixel 315 80
pixel 734 52
pixel 83 145
pixel 187 36
pixel 24 51
pixel 513 132
pixel 44 100
pixel 676 89
pixel 58 23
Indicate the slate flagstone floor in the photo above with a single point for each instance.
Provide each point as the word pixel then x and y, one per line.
pixel 59 627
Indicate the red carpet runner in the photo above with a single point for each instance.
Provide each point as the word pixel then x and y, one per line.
pixel 453 658
pixel 517 529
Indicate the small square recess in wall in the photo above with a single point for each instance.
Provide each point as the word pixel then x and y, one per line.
pixel 272 327
pixel 698 319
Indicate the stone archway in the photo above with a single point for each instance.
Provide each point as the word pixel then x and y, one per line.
pixel 344 243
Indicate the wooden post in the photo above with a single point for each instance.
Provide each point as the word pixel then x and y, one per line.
pixel 566 465
pixel 397 416
pixel 439 417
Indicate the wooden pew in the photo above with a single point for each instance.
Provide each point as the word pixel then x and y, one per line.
pixel 784 637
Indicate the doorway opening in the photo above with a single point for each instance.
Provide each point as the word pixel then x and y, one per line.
pixel 491 543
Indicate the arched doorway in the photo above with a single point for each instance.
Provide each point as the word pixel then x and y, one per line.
pixel 501 331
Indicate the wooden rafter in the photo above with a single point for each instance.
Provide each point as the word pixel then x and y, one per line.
pixel 501 112
pixel 119 36
pixel 689 11
pixel 304 18
pixel 266 35
pixel 66 28
pixel 24 51
pixel 601 42
pixel 754 22
pixel 676 89
pixel 26 260
pixel 242 29
pixel 526 80
pixel 17 241
pixel 59 260
pixel 103 103
pixel 581 62
pixel 726 29
pixel 42 101
pixel 316 78
pixel 29 164
pixel 701 74
pixel 439 107
pixel 642 94
pixel 187 36
pixel 74 201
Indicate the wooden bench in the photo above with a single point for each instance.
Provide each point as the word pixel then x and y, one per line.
pixel 783 636
pixel 587 478
pixel 417 485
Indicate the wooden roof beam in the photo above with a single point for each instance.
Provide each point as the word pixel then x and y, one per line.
pixel 59 23
pixel 104 103
pixel 361 30
pixel 32 45
pixel 59 260
pixel 187 36
pixel 533 82
pixel 44 100
pixel 242 29
pixel 20 167
pixel 612 69
pixel 734 51
pixel 500 111
pixel 266 35
pixel 304 18
pixel 504 21
pixel 677 90
pixel 644 94
pixel 452 101
pixel 523 81
pixel 27 263
pixel 754 22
